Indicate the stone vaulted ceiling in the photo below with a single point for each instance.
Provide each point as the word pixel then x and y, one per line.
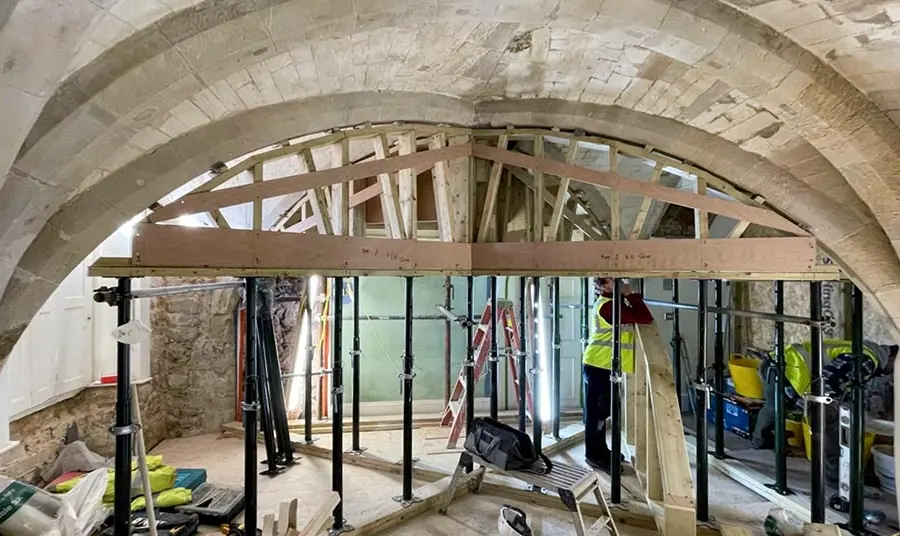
pixel 108 105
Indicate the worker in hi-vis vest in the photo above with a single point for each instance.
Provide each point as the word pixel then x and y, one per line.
pixel 598 363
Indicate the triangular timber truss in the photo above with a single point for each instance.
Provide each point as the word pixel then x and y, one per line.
pixel 417 199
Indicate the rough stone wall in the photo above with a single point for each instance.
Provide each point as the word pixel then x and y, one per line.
pixel 289 294
pixel 193 352
pixel 93 410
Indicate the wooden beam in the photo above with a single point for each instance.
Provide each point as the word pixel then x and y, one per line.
pixel 738 230
pixel 292 215
pixel 257 203
pixel 645 205
pixel 537 219
pixel 390 197
pixel 340 192
pixel 219 219
pixel 731 209
pixel 438 142
pixel 322 515
pixel 669 429
pixel 408 182
pixel 701 217
pixel 206 201
pixel 615 204
pixel 556 215
pixel 493 189
pixel 239 250
pixel 550 199
pixel 316 196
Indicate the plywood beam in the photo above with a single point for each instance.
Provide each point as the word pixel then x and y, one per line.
pixel 731 209
pixel 237 251
pixel 206 201
pixel 460 184
pixel 556 215
pixel 493 190
pixel 645 205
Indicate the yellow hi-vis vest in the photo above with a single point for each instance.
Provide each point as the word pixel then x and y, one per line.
pixel 797 359
pixel 599 351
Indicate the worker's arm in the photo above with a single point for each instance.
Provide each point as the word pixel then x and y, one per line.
pixel 634 310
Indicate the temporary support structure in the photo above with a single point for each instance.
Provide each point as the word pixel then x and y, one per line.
pixel 661 459
pixel 446 243
pixel 484 345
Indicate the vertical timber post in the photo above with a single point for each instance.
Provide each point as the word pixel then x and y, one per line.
pixel 124 429
pixel 719 356
pixel 493 369
pixel 337 407
pixel 780 414
pixel 557 359
pixel 700 407
pixel 354 364
pixel 857 413
pixel 522 357
pixel 817 408
pixel 250 407
pixel 616 390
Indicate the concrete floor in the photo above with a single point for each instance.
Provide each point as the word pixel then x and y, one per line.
pixel 365 489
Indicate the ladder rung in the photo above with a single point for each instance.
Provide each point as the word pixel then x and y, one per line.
pixel 599 525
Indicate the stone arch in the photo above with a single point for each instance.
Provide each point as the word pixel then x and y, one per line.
pixel 857 242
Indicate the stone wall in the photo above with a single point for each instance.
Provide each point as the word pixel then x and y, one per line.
pixel 193 356
pixel 41 433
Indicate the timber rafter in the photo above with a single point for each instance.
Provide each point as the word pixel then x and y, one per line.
pixel 512 200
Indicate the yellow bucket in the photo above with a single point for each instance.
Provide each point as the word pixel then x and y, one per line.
pixel 868 441
pixel 745 376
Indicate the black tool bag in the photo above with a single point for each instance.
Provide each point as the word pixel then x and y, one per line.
pixel 503 446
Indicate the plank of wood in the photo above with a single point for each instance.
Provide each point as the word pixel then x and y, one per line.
pixel 441 191
pixel 406 144
pixel 340 192
pixel 460 194
pixel 645 205
pixel 701 217
pixel 677 481
pixel 287 516
pixel 268 525
pixel 389 513
pixel 368 462
pixel 257 202
pixel 731 209
pixel 206 201
pixel 567 213
pixel 797 504
pixel 738 230
pixel 390 197
pixel 733 530
pixel 316 196
pixel 320 520
pixel 556 215
pixel 570 436
pixel 537 218
pixel 493 189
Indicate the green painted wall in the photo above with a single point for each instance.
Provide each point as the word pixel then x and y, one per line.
pixel 382 341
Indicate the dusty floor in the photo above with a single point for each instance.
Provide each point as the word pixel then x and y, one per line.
pixel 364 489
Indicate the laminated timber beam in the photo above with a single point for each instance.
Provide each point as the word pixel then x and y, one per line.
pixel 174 250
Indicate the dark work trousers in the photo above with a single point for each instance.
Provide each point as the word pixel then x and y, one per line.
pixel 597 407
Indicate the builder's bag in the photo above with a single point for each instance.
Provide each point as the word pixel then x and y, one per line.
pixel 503 446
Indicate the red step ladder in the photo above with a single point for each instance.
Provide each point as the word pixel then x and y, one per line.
pixel 455 413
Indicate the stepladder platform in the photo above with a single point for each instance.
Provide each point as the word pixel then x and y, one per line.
pixel 572 484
